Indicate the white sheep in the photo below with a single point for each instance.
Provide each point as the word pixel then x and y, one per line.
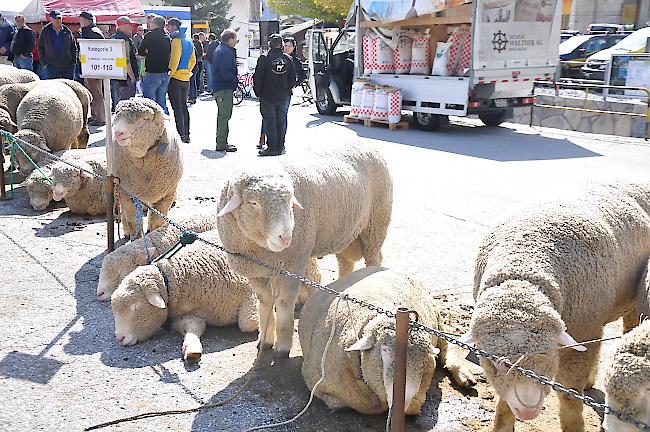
pixel 146 157
pixel 83 192
pixel 10 75
pixel 49 117
pixel 627 381
pixel 359 366
pixel 553 275
pixel 346 196
pixel 194 288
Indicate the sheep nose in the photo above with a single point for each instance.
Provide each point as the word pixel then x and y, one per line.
pixel 285 240
pixel 120 338
pixel 120 135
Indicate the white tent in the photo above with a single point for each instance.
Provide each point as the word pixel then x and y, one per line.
pixel 32 10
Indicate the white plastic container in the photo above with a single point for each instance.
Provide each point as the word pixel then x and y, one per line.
pixel 367 102
pixel 381 106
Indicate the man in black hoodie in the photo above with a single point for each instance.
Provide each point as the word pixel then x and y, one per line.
pixel 274 78
pixel 57 48
pixel 23 44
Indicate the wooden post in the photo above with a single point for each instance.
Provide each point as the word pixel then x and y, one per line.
pixel 110 180
pixel 399 369
pixel 3 192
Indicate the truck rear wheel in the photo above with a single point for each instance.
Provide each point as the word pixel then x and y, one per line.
pixel 493 119
pixel 428 122
pixel 325 102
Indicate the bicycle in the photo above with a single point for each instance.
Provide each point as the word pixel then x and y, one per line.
pixel 244 88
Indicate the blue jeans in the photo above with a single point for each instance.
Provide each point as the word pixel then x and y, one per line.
pixel 21 62
pixel 199 77
pixel 154 87
pixel 208 74
pixel 192 93
pixel 60 72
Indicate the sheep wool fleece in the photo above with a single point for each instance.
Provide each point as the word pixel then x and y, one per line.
pixel 11 75
pixel 90 195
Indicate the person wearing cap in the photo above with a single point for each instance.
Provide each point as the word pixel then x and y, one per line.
pixel 57 48
pixel 125 89
pixel 89 30
pixel 156 48
pixel 181 63
pixel 273 80
pixel 7 32
pixel 224 81
pixel 23 44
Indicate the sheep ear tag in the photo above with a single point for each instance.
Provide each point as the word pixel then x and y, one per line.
pixel 363 344
pixel 234 202
pixel 565 339
pixel 296 204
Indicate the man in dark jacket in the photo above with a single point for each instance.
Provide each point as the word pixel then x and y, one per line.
pixel 274 78
pixel 125 89
pixel 23 44
pixel 90 31
pixel 156 48
pixel 224 82
pixel 7 32
pixel 212 44
pixel 57 48
pixel 197 71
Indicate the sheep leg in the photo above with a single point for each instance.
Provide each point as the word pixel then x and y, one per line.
pixel 163 206
pixel 574 372
pixel 630 320
pixel 128 215
pixel 265 311
pixel 192 328
pixel 451 361
pixel 371 240
pixel 247 316
pixel 348 257
pixel 288 290
pixel 504 419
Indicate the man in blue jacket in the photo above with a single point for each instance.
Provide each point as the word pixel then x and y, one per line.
pixel 224 82
pixel 57 48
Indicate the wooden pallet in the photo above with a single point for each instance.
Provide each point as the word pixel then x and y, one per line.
pixel 350 119
pixel 391 126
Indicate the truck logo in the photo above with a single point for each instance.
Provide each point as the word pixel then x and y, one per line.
pixel 499 41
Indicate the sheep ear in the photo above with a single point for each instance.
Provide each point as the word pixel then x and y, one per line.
pixel 234 202
pixel 156 300
pixel 565 339
pixel 295 203
pixel 363 344
pixel 435 350
pixel 467 338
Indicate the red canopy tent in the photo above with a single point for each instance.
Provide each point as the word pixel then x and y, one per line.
pixel 105 11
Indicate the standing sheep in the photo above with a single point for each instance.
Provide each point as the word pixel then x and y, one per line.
pixel 49 117
pixel 346 193
pixel 359 367
pixel 627 382
pixel 194 288
pixel 146 157
pixel 10 75
pixel 83 193
pixel 561 271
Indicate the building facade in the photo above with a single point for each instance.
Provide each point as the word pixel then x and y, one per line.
pixel 578 14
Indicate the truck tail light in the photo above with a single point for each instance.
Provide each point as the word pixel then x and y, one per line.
pixel 474 105
pixel 528 101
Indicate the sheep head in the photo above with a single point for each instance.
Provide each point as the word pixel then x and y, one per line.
pixel 138 124
pixel 376 350
pixel 68 180
pixel 627 382
pixel 262 205
pixel 32 137
pixel 116 266
pixel 6 123
pixel 512 319
pixel 39 190
pixel 138 305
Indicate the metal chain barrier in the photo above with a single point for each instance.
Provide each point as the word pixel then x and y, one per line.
pixel 572 393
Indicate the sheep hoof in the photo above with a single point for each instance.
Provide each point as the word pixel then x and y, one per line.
pixel 281 355
pixel 264 346
pixel 193 357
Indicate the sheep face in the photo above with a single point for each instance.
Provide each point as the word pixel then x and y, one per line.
pixel 377 359
pixel 138 124
pixel 39 191
pixel 138 308
pixel 263 207
pixel 637 406
pixel 510 320
pixel 67 179
pixel 35 139
pixel 116 266
pixel 6 123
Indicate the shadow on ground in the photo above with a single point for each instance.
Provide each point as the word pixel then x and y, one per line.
pixel 499 143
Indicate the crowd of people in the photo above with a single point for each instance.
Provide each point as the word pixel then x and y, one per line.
pixel 161 64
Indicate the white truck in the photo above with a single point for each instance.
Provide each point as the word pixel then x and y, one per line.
pixel 513 44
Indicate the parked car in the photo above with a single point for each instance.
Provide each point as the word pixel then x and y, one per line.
pixel 568 34
pixel 578 48
pixel 605 28
pixel 596 64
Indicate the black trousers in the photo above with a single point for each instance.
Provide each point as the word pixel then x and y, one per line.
pixel 274 115
pixel 177 91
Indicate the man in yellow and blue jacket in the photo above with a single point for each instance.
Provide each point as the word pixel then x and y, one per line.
pixel 181 63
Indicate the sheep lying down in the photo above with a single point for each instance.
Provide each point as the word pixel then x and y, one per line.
pixel 194 288
pixel 359 367
pixel 627 382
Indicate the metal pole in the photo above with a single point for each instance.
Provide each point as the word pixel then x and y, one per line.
pixel 3 192
pixel 399 369
pixel 110 181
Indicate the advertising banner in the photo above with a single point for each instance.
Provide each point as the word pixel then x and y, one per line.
pixel 396 10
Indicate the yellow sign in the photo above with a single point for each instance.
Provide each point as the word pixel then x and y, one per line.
pixel 120 62
pixel 82 58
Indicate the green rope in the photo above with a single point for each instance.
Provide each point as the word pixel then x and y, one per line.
pixel 186 238
pixel 14 143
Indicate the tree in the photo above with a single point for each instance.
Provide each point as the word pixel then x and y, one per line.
pixel 326 10
pixel 216 12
